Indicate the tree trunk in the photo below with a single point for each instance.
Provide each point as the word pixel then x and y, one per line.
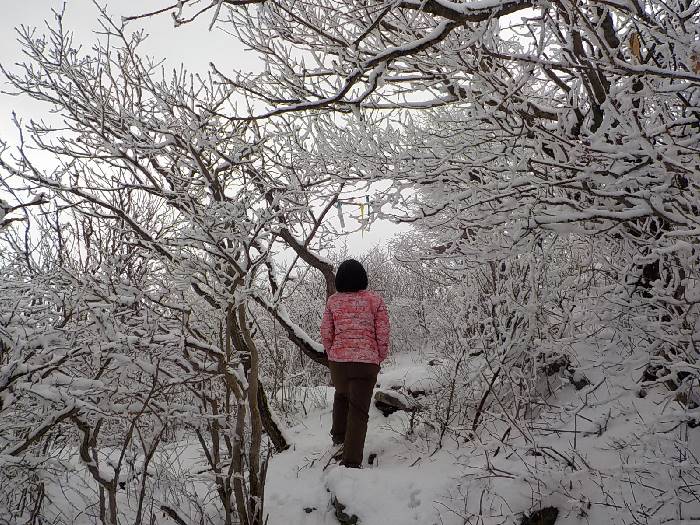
pixel 269 424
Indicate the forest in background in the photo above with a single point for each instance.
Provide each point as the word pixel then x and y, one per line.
pixel 168 242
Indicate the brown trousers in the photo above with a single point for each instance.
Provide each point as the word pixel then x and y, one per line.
pixel 353 383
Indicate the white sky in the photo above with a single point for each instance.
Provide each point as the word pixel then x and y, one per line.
pixel 192 45
pixel 175 45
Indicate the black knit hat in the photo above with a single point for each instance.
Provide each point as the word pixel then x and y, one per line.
pixel 351 277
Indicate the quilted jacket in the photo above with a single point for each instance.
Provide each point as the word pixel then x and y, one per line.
pixel 355 327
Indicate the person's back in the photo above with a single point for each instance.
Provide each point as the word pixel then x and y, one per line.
pixel 357 328
pixel 355 334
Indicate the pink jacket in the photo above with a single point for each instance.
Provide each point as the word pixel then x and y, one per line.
pixel 355 327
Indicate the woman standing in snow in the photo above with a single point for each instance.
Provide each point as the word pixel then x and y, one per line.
pixel 355 334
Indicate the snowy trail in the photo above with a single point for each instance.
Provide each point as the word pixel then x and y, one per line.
pixel 403 485
pixel 400 487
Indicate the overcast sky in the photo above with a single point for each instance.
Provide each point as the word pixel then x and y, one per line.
pixel 192 45
pixel 175 45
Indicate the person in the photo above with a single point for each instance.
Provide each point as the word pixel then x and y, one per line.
pixel 355 335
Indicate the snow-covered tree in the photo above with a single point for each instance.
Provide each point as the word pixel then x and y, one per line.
pixel 546 153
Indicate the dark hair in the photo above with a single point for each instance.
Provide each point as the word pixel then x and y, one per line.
pixel 351 277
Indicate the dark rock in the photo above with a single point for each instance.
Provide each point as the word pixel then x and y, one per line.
pixel 688 399
pixel 545 516
pixel 579 380
pixel 384 408
pixel 309 510
pixel 343 517
pixel 372 458
pixel 389 402
pixel 555 365
pixel 654 373
pixel 682 374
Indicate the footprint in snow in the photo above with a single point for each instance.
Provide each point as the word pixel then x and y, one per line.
pixel 413 500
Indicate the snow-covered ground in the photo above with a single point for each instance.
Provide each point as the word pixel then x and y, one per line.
pixel 609 452
pixel 601 454
pixel 404 484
